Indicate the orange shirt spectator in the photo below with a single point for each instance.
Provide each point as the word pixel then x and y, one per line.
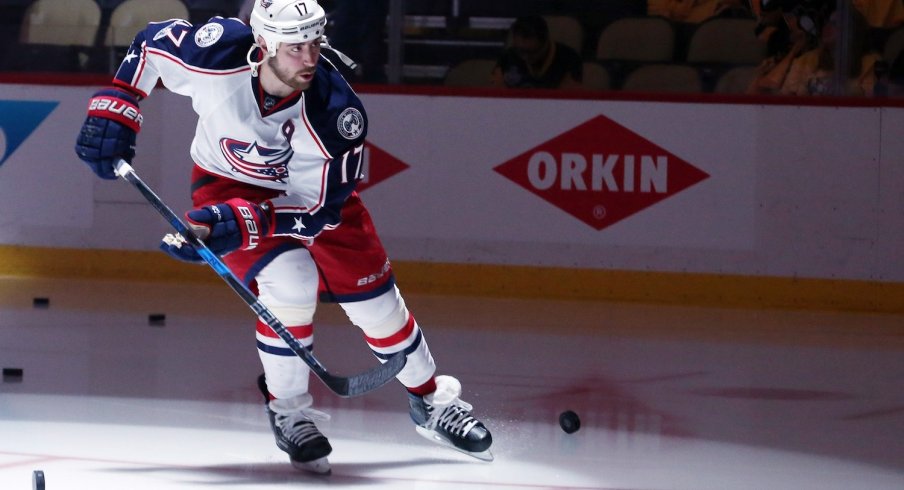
pixel 884 14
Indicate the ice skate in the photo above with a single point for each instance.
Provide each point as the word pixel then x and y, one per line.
pixel 442 417
pixel 292 421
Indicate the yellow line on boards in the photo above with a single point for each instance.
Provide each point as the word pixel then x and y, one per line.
pixel 501 281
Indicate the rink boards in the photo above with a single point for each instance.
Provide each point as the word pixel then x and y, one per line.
pixel 662 200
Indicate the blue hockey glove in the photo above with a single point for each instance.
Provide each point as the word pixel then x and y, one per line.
pixel 232 225
pixel 109 131
pixel 174 245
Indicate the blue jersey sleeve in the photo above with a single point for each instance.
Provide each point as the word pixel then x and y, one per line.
pixel 344 172
pixel 341 121
pixel 175 51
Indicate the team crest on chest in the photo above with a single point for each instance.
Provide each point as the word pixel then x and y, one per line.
pixel 351 123
pixel 255 161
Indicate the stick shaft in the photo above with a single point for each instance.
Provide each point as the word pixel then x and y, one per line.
pixel 345 387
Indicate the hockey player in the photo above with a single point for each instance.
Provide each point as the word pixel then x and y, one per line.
pixel 277 153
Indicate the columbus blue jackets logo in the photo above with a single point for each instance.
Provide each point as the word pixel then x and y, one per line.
pixel 351 123
pixel 208 34
pixel 255 161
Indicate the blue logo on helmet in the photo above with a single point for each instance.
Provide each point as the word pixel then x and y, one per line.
pixel 18 119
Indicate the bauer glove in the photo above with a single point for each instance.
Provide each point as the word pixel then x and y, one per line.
pixel 109 131
pixel 233 225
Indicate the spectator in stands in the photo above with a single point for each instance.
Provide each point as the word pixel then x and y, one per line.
pixel 696 11
pixel 896 77
pixel 881 14
pixel 805 15
pixel 785 41
pixel 534 60
pixel 813 73
pixel 890 80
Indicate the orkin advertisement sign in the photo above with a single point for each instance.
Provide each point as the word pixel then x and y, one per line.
pixel 601 172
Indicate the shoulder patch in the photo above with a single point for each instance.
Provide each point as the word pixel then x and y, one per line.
pixel 167 31
pixel 351 123
pixel 208 34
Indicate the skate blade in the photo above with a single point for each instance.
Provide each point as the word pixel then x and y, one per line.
pixel 319 466
pixel 436 438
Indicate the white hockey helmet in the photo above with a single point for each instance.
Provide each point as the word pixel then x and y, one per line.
pixel 287 21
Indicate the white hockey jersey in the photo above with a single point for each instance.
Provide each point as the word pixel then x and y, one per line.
pixel 307 145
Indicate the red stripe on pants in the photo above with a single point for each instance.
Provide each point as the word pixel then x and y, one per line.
pixel 299 332
pixel 394 339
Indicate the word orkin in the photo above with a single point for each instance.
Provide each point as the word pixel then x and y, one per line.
pixel 574 171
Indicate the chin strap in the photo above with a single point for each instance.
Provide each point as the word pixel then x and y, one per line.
pixel 254 64
pixel 350 63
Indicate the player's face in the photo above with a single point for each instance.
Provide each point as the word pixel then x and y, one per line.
pixel 294 64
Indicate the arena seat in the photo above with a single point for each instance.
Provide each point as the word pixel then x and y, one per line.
pixel 566 30
pixel 132 16
pixel 736 80
pixel 662 77
pixel 55 36
pixel 596 77
pixel 629 42
pixel 470 73
pixel 643 39
pixel 726 41
pixel 61 22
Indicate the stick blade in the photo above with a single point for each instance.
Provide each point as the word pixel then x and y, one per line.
pixel 367 381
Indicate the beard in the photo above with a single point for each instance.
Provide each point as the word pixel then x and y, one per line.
pixel 286 76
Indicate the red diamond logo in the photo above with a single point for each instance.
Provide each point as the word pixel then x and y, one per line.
pixel 601 172
pixel 378 166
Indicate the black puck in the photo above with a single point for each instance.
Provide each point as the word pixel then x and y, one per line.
pixel 12 375
pixel 37 480
pixel 40 303
pixel 569 421
pixel 157 320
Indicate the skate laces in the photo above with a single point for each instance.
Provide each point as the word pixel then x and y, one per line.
pixel 298 427
pixel 446 410
pixel 454 418
pixel 295 418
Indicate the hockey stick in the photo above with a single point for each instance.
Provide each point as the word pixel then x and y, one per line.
pixel 342 386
